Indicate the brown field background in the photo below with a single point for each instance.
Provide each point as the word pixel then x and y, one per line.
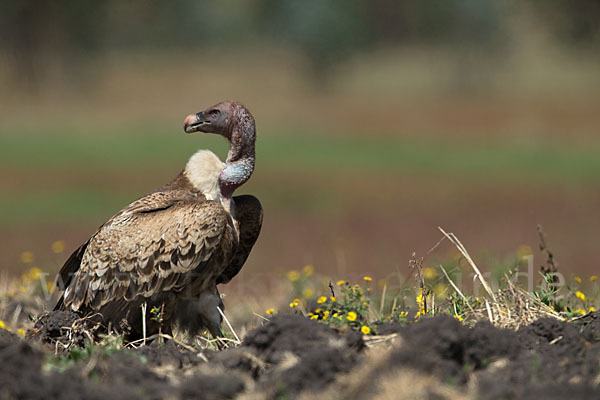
pixel 331 199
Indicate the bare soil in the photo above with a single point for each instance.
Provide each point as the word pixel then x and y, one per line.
pixel 291 356
pixel 355 232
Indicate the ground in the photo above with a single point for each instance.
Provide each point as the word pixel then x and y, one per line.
pixel 291 356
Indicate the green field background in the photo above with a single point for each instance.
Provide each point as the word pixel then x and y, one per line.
pixel 376 125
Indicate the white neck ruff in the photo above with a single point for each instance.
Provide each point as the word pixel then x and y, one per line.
pixel 203 170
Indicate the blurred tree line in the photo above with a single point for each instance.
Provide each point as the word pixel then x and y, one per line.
pixel 36 35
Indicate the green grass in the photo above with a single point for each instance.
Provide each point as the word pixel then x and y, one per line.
pixel 284 156
pixel 305 151
pixel 400 155
pixel 55 206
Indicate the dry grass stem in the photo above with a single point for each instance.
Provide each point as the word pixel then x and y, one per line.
pixel 144 306
pixel 372 340
pixel 229 325
pixel 452 238
pixel 510 307
pixel 456 288
pixel 260 316
pixel 382 304
pixel 416 264
pixel 514 307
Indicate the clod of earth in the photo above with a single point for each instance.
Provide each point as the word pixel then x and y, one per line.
pixel 291 356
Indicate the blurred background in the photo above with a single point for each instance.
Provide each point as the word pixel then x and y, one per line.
pixel 378 121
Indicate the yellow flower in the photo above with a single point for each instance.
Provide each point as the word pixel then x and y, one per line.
pixel 365 330
pixel 366 304
pixel 419 298
pixel 294 303
pixel 34 273
pixel 307 293
pixel 582 312
pixel 58 247
pixel 577 279
pixel 592 309
pixel 429 273
pixel 314 317
pixel 270 311
pixel 308 270
pixel 351 316
pixel 340 283
pixel 2 326
pixel 27 257
pixel 361 298
pixel 523 251
pixel 20 331
pixel 335 315
pixel 153 310
pixel 318 310
pixel 593 278
pixel 580 295
pixel 321 299
pixel 293 275
pixel 367 278
pixel 458 317
pixel 404 314
pixel 326 313
pixel 440 290
pixel 332 298
pixel 22 288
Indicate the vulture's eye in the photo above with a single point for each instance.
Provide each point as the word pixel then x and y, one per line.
pixel 212 114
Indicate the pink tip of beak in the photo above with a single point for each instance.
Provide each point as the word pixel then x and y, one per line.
pixel 190 119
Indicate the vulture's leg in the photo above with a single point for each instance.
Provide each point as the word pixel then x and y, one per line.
pixel 194 316
pixel 249 214
pixel 208 310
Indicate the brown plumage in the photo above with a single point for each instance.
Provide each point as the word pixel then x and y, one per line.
pixel 170 248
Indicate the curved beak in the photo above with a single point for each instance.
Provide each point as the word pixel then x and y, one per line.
pixel 194 122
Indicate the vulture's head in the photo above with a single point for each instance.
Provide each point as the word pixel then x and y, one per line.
pixel 227 119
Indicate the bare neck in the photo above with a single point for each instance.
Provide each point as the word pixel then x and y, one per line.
pixel 240 159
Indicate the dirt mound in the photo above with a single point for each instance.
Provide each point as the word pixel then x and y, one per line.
pixel 298 335
pixel 210 387
pixel 305 353
pixel 291 356
pixel 63 329
pixel 590 326
pixel 21 376
pixel 537 361
pixel 168 353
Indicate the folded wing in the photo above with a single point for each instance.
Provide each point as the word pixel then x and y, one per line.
pixel 150 251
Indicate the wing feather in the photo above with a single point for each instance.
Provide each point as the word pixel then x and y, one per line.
pixel 151 247
pixel 249 215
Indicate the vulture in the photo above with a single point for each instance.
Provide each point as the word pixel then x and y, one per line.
pixel 169 249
